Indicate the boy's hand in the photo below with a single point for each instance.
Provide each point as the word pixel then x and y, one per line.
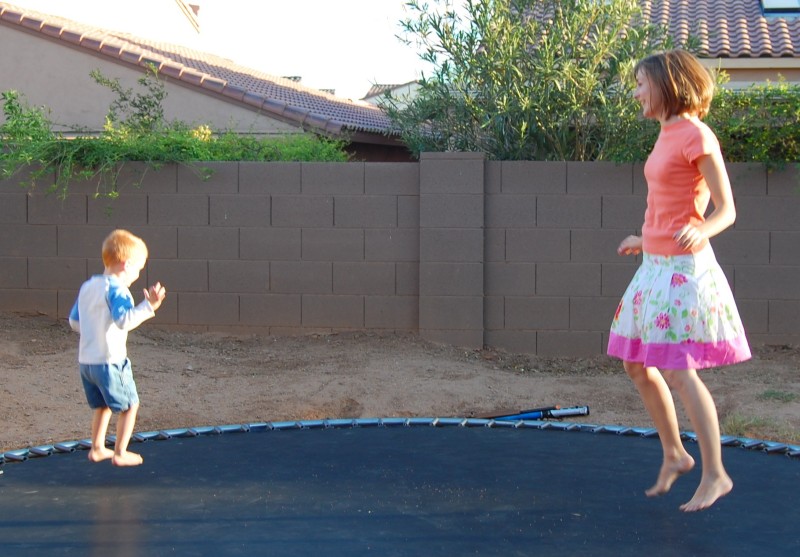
pixel 155 295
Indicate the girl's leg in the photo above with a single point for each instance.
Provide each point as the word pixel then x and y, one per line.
pixel 714 482
pixel 658 401
pixel 125 423
pixel 100 419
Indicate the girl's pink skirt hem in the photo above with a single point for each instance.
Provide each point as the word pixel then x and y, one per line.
pixel 697 355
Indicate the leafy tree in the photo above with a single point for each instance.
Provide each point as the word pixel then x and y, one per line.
pixel 525 79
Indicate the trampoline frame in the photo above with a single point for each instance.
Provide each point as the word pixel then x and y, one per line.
pixel 21 455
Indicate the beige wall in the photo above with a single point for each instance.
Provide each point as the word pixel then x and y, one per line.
pixel 55 76
pixel 516 255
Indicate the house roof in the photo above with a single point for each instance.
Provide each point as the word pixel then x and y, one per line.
pixel 727 28
pixel 279 97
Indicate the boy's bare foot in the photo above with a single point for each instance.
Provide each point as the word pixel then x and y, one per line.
pixel 100 454
pixel 127 459
pixel 707 493
pixel 670 471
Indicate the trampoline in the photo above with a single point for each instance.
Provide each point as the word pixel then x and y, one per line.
pixel 394 486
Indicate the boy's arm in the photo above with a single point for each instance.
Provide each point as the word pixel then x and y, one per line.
pixel 124 313
pixel 74 318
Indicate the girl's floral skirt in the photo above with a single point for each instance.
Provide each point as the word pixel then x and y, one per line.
pixel 678 313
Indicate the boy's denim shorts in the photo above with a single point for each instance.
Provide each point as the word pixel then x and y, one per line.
pixel 109 385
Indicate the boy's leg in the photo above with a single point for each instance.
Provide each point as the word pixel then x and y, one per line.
pixel 657 399
pixel 714 482
pixel 125 424
pixel 100 419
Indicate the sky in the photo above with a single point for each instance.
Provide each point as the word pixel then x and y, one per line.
pixel 346 45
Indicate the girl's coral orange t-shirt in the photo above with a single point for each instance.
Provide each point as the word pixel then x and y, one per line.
pixel 677 193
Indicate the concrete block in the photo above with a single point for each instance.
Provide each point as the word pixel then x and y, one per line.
pixel 747 178
pixel 494 247
pixel 13 272
pixel 341 244
pixel 204 308
pixel 408 211
pixel 370 278
pixel 301 277
pixel 391 178
pixel 204 242
pixel 528 177
pixel 577 344
pixel 333 178
pixel 13 207
pixel 623 212
pixel 749 247
pixel 591 314
pixel 511 211
pixel 399 313
pixel 283 310
pixel 273 244
pixel 755 315
pixel 450 279
pixel 539 313
pixel 29 301
pixel 616 277
pixel 596 246
pixel 407 279
pixel 598 178
pixel 365 211
pixel 537 245
pixel 451 211
pixel 162 241
pixel 270 178
pixel 784 182
pixel 209 178
pixel 178 210
pixel 494 313
pixel 771 283
pixel 179 275
pixel 392 244
pixel 126 211
pixel 81 240
pixel 510 279
pixel 52 209
pixel 639 181
pixel 167 314
pixel 784 248
pixel 451 244
pixel 140 178
pixel 240 210
pixel 238 276
pixel 450 312
pixel 338 312
pixel 784 317
pixel 568 279
pixel 451 173
pixel 568 211
pixel 22 240
pixel 464 338
pixel 493 177
pixel 313 211
pixel 767 213
pixel 516 342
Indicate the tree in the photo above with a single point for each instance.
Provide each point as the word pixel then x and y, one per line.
pixel 525 79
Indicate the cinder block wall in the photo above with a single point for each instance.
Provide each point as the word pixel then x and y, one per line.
pixel 516 255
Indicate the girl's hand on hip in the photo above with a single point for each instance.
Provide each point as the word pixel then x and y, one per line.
pixel 689 237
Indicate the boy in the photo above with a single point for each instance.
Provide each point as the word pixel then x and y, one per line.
pixel 103 314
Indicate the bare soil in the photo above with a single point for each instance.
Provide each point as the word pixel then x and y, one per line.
pixel 195 379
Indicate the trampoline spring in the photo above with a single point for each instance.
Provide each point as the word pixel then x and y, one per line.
pixel 66 447
pixel 42 450
pixel 19 455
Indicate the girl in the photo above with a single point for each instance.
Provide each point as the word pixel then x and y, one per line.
pixel 678 314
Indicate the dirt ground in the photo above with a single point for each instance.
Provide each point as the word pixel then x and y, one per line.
pixel 196 379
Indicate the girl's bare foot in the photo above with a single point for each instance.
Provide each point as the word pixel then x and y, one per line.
pixel 100 455
pixel 670 471
pixel 707 493
pixel 127 459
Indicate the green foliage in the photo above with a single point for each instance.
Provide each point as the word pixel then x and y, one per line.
pixel 135 130
pixel 526 79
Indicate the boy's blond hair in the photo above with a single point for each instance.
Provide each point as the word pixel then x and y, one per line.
pixel 121 246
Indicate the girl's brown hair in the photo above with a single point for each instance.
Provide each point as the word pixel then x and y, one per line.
pixel 121 246
pixel 684 83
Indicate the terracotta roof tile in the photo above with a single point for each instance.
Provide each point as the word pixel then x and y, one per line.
pixel 268 93
pixel 727 28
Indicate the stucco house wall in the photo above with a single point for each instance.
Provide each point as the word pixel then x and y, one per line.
pixel 516 255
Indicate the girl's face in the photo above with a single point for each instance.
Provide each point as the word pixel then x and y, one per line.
pixel 648 97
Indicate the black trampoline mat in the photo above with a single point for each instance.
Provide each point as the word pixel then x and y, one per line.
pixel 421 491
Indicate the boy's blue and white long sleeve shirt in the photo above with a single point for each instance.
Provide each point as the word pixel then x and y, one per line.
pixel 103 314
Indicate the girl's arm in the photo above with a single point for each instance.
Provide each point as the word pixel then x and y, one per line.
pixel 712 167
